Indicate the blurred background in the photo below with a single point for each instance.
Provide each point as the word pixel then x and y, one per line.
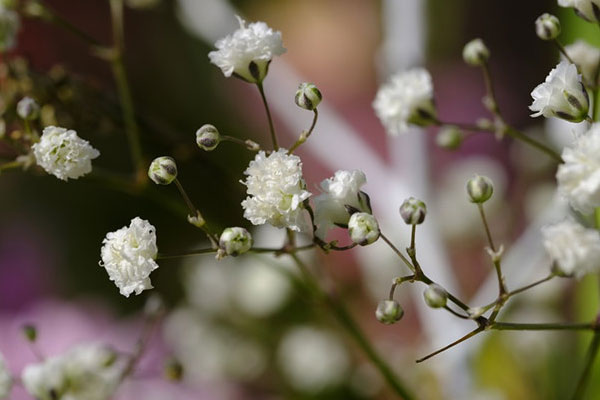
pixel 241 328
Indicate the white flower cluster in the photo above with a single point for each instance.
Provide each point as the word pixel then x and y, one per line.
pixel 407 98
pixel 276 190
pixel 64 154
pixel 85 372
pixel 574 248
pixel 248 51
pixel 579 176
pixel 128 256
pixel 5 379
pixel 587 9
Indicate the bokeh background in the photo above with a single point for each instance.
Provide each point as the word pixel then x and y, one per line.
pixel 241 327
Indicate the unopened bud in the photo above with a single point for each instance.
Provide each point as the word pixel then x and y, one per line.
pixel 389 312
pixel 196 220
pixel 30 332
pixel 235 241
pixel 449 137
pixel 475 53
pixel 28 109
pixel 363 228
pixel 435 296
pixel 163 170
pixel 480 189
pixel 208 137
pixel 547 26
pixel 413 211
pixel 252 145
pixel 173 370
pixel 308 96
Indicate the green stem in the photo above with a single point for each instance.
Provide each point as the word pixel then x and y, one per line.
pixel 515 134
pixel 597 217
pixel 398 252
pixel 587 370
pixel 514 326
pixel 459 341
pixel 258 250
pixel 305 134
pixel 495 258
pixel 266 104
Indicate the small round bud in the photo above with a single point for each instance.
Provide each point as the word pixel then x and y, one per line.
pixel 389 312
pixel 163 170
pixel 30 332
pixel 475 53
pixel 413 211
pixel 547 26
pixel 449 137
pixel 235 241
pixel 196 220
pixel 308 96
pixel 208 137
pixel 480 189
pixel 28 109
pixel 435 296
pixel 363 228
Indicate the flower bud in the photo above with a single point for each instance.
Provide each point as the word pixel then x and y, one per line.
pixel 173 370
pixel 389 312
pixel 196 220
pixel 475 53
pixel 435 296
pixel 308 96
pixel 547 26
pixel 413 211
pixel 208 137
pixel 480 189
pixel 163 170
pixel 28 109
pixel 30 332
pixel 235 241
pixel 449 137
pixel 363 228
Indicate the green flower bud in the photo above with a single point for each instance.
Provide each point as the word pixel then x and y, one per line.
pixel 449 137
pixel 308 96
pixel 475 53
pixel 28 109
pixel 363 228
pixel 547 27
pixel 480 189
pixel 163 170
pixel 389 312
pixel 413 211
pixel 30 332
pixel 435 296
pixel 208 137
pixel 235 241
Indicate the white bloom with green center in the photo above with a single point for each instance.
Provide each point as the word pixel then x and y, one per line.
pixel 407 98
pixel 363 228
pixel 9 27
pixel 128 256
pixel 562 95
pixel 235 241
pixel 276 190
pixel 574 249
pixel 62 153
pixel 587 9
pixel 248 51
pixel 586 57
pixel 5 379
pixel 579 176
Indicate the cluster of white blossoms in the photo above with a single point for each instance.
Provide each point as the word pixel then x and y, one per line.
pixel 574 249
pixel 128 256
pixel 407 98
pixel 562 95
pixel 5 379
pixel 85 372
pixel 587 9
pixel 276 190
pixel 587 58
pixel 248 51
pixel 62 153
pixel 579 176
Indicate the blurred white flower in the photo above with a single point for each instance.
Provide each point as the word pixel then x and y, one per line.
pixel 64 154
pixel 562 95
pixel 579 176
pixel 9 27
pixel 128 256
pixel 407 98
pixel 586 57
pixel 587 9
pixel 313 359
pixel 5 379
pixel 338 191
pixel 248 51
pixel 562 133
pixel 276 190
pixel 574 248
pixel 476 53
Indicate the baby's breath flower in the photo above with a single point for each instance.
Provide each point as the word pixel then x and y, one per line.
pixel 562 95
pixel 208 137
pixel 9 26
pixel 235 241
pixel 413 211
pixel 276 190
pixel 586 57
pixel 363 228
pixel 28 109
pixel 308 96
pixel 407 98
pixel 128 256
pixel 435 296
pixel 480 189
pixel 547 26
pixel 5 379
pixel 574 249
pixel 248 51
pixel 586 9
pixel 163 170
pixel 64 154
pixel 475 53
pixel 389 312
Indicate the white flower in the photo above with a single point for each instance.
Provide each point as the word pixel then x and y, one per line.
pixel 587 9
pixel 574 249
pixel 562 95
pixel 476 53
pixel 586 57
pixel 248 51
pixel 5 379
pixel 47 380
pixel 9 26
pixel 579 176
pixel 407 98
pixel 64 154
pixel 338 191
pixel 363 228
pixel 128 256
pixel 276 190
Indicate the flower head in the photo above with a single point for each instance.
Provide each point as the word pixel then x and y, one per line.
pixel 547 26
pixel 586 57
pixel 5 379
pixel 235 241
pixel 128 256
pixel 586 9
pixel 407 98
pixel 562 95
pixel 248 51
pixel 579 176
pixel 276 190
pixel 389 312
pixel 64 154
pixel 363 228
pixel 476 53
pixel 574 249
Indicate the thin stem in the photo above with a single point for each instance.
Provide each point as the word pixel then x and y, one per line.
pixel 305 134
pixel 395 249
pixel 397 282
pixel 515 134
pixel 455 313
pixel 597 217
pixel 241 142
pixel 519 290
pixel 266 104
pixel 487 78
pixel 462 125
pixel 10 165
pixel 186 198
pixel 515 326
pixel 495 257
pixel 587 370
pixel 459 341
pixel 413 233
pixel 563 51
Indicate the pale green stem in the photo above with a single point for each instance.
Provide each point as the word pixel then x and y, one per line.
pixel 305 135
pixel 269 118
